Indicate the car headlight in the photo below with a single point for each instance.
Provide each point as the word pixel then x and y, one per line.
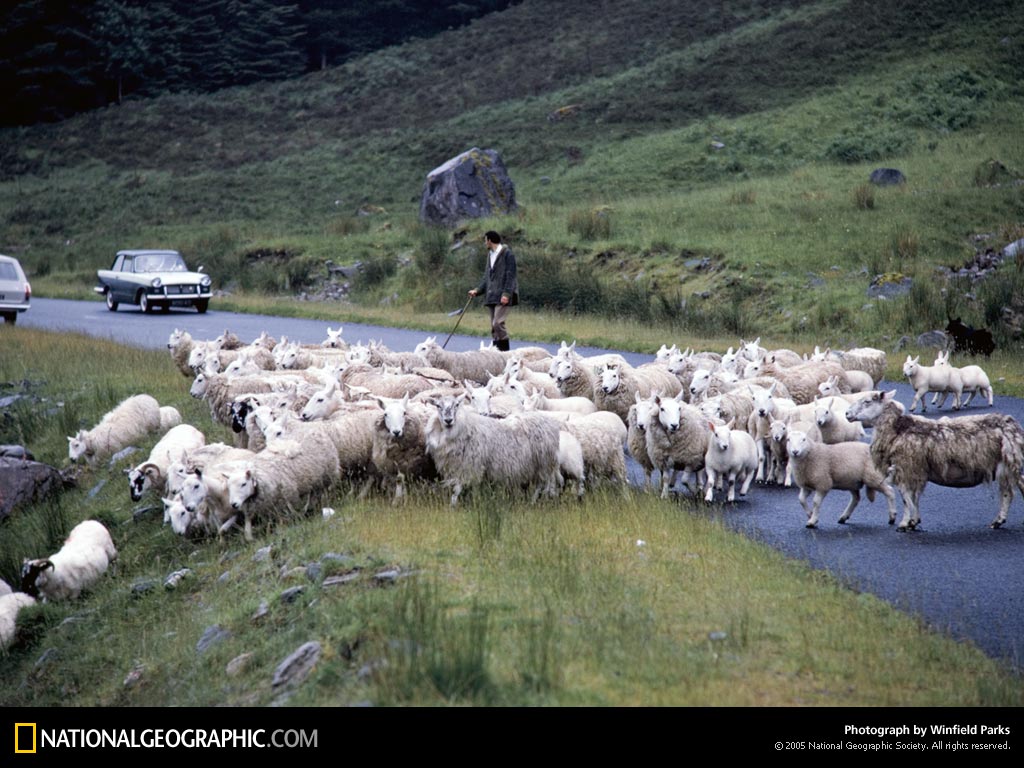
pixel 205 281
pixel 157 282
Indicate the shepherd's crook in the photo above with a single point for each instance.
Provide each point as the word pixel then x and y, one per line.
pixel 461 313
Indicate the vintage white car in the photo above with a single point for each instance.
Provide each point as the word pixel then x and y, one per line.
pixel 153 279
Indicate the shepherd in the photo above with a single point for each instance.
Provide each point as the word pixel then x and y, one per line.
pixel 499 287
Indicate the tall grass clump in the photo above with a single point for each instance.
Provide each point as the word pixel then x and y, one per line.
pixel 592 224
pixel 864 197
pixel 904 245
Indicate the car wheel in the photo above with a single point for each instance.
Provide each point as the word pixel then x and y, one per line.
pixel 202 305
pixel 11 317
pixel 111 304
pixel 144 304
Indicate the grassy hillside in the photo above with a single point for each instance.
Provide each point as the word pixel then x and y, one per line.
pixel 603 602
pixel 262 184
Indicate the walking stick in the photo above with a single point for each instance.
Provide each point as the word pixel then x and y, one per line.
pixel 461 313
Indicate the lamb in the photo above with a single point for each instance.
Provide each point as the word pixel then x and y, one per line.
pixel 570 461
pixel 834 426
pixel 936 378
pixel 619 383
pixel 781 471
pixel 10 605
pixel 532 379
pixel 732 455
pixel 973 379
pixel 334 340
pixel 677 440
pixel 84 558
pixel 132 419
pixel 957 453
pixel 845 467
pixel 172 447
pixel 469 449
pixel 602 437
pixel 802 380
pixel 479 365
pixel 753 351
pixel 579 405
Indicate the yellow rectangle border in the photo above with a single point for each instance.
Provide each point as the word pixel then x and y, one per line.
pixel 16 742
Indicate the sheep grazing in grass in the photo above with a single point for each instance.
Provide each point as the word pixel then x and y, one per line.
pixel 732 457
pixel 131 420
pixel 957 453
pixel 152 473
pixel 933 378
pixel 10 605
pixel 821 468
pixel 470 449
pixel 973 379
pixel 84 558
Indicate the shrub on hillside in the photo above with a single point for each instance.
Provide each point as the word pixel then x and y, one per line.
pixel 862 144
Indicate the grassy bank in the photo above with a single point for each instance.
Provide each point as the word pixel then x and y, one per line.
pixel 492 603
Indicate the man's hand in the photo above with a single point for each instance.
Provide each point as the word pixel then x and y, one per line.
pixel 472 292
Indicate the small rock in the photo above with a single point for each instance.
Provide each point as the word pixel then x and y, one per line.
pixel 50 654
pixel 545 180
pixel 143 586
pixel 287 573
pixel 262 554
pixel 143 512
pixel 717 636
pixel 292 594
pixel 238 665
pixel 122 455
pixel 94 491
pixel 346 578
pixel 20 451
pixel 224 578
pixel 901 343
pixel 887 177
pixel 134 676
pixel 211 636
pixel 227 557
pixel 717 145
pixel 641 543
pixel 296 668
pixel 389 576
pixel 336 558
pixel 174 579
pixel 314 571
pixel 328 513
pixel 262 611
pixel 935 339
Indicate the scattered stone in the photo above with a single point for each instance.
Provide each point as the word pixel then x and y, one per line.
pixel 298 571
pixel 814 281
pixel 717 636
pixel 16 452
pixel 95 490
pixel 296 668
pixel 291 594
pixel 143 512
pixel 328 513
pixel 935 339
pixel 262 611
pixel 703 294
pixel 1014 248
pixel 174 579
pixel 345 578
pixel 887 177
pixel 238 665
pixel 224 578
pixel 121 455
pixel 336 558
pixel 389 576
pixel 134 676
pixel 50 654
pixel 889 285
pixel 902 343
pixel 144 586
pixel 25 482
pixel 717 145
pixel 314 571
pixel 10 400
pixel 545 180
pixel 697 264
pixel 211 636
pixel 469 186
pixel 262 554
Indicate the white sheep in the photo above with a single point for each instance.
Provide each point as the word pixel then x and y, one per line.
pixel 10 605
pixel 400 443
pixel 677 440
pixel 973 379
pixel 781 472
pixel 478 365
pixel 835 427
pixel 957 453
pixel 153 473
pixel 573 377
pixel 732 456
pixel 619 384
pixel 469 449
pixel 79 564
pixel 132 419
pixel 932 378
pixel 844 467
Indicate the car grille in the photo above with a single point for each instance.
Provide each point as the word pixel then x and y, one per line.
pixel 176 290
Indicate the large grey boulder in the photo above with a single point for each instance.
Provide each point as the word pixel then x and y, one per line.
pixel 887 177
pixel 23 482
pixel 470 186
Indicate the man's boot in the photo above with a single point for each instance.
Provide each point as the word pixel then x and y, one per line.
pixel 501 345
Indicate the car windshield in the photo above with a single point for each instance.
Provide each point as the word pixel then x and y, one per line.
pixel 160 262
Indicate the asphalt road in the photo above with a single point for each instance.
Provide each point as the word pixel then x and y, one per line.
pixel 957 574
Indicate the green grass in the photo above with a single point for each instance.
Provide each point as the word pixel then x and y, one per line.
pixel 498 602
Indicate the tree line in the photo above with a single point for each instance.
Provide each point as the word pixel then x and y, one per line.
pixel 60 57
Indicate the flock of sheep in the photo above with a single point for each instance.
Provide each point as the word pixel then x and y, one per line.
pixel 310 417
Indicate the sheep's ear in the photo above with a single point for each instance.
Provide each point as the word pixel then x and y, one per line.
pixel 711 426
pixel 732 421
pixel 70 439
pixel 888 396
pixel 636 396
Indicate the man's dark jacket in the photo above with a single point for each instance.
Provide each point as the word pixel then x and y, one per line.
pixel 501 280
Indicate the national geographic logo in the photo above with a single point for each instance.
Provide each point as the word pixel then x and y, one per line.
pixel 24 738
